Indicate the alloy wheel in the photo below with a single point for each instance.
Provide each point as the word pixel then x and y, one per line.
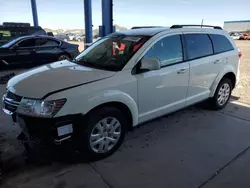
pixel 223 94
pixel 105 135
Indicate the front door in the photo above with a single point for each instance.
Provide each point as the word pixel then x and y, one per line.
pixel 26 53
pixel 163 91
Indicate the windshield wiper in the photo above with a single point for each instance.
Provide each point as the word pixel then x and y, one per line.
pixel 85 63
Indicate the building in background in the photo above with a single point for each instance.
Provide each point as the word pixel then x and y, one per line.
pixel 237 26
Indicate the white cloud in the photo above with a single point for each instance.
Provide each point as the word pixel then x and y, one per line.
pixel 185 1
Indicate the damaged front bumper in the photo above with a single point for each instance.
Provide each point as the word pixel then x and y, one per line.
pixel 49 132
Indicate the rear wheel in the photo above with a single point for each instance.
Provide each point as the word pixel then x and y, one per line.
pixel 104 134
pixel 222 94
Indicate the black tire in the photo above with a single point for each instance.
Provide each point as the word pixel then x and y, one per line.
pixel 91 120
pixel 214 104
pixel 63 57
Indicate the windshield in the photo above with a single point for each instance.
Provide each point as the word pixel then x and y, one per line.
pixel 10 43
pixel 111 52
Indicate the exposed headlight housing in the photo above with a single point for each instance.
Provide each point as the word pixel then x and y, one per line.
pixel 40 108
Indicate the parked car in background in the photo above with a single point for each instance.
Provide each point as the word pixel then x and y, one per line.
pixel 62 36
pixel 10 31
pixel 70 36
pixel 235 36
pixel 120 81
pixel 79 38
pixel 30 51
pixel 245 37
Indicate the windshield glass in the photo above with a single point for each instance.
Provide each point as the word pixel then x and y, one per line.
pixel 111 52
pixel 10 43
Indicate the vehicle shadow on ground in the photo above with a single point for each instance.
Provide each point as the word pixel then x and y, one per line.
pixel 19 162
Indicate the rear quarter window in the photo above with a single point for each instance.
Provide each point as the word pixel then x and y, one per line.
pixel 221 43
pixel 198 46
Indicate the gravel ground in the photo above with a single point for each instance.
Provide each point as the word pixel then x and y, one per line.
pixel 241 93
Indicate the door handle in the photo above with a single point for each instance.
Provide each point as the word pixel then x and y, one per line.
pixel 182 71
pixel 218 61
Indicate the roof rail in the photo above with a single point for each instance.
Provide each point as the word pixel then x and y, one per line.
pixel 181 26
pixel 140 27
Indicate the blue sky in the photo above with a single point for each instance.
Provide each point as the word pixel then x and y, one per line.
pixel 68 14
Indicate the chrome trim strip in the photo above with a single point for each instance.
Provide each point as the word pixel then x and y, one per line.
pixel 7 111
pixel 5 62
pixel 60 140
pixel 11 102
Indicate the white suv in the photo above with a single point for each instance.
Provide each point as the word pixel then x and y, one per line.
pixel 120 81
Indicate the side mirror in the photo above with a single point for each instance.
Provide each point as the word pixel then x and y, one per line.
pixel 150 64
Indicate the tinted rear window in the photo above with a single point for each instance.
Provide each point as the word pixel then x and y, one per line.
pixel 221 43
pixel 198 45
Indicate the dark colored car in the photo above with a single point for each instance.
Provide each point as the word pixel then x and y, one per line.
pixel 31 51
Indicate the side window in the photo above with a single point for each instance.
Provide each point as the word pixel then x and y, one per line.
pixel 46 42
pixel 221 43
pixel 168 50
pixel 27 43
pixel 198 45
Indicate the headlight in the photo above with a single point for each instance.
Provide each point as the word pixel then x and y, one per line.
pixel 40 108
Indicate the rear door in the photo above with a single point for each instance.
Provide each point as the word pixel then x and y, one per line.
pixel 47 50
pixel 204 66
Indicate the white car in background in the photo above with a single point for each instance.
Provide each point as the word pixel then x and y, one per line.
pixel 120 81
pixel 235 36
pixel 70 37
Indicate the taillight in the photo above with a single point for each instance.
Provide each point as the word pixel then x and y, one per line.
pixel 239 53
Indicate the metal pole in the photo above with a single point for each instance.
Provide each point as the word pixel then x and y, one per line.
pixel 107 16
pixel 34 12
pixel 88 23
pixel 202 22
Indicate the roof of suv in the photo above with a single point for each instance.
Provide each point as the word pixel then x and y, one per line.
pixel 144 31
pixel 151 31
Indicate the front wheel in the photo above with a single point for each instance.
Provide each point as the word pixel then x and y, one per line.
pixel 104 134
pixel 222 94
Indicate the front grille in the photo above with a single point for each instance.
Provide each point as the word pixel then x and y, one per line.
pixel 9 106
pixel 11 101
pixel 13 96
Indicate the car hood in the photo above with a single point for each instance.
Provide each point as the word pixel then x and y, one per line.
pixel 38 82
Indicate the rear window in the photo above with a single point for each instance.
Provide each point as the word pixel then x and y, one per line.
pixel 46 42
pixel 221 43
pixel 198 45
